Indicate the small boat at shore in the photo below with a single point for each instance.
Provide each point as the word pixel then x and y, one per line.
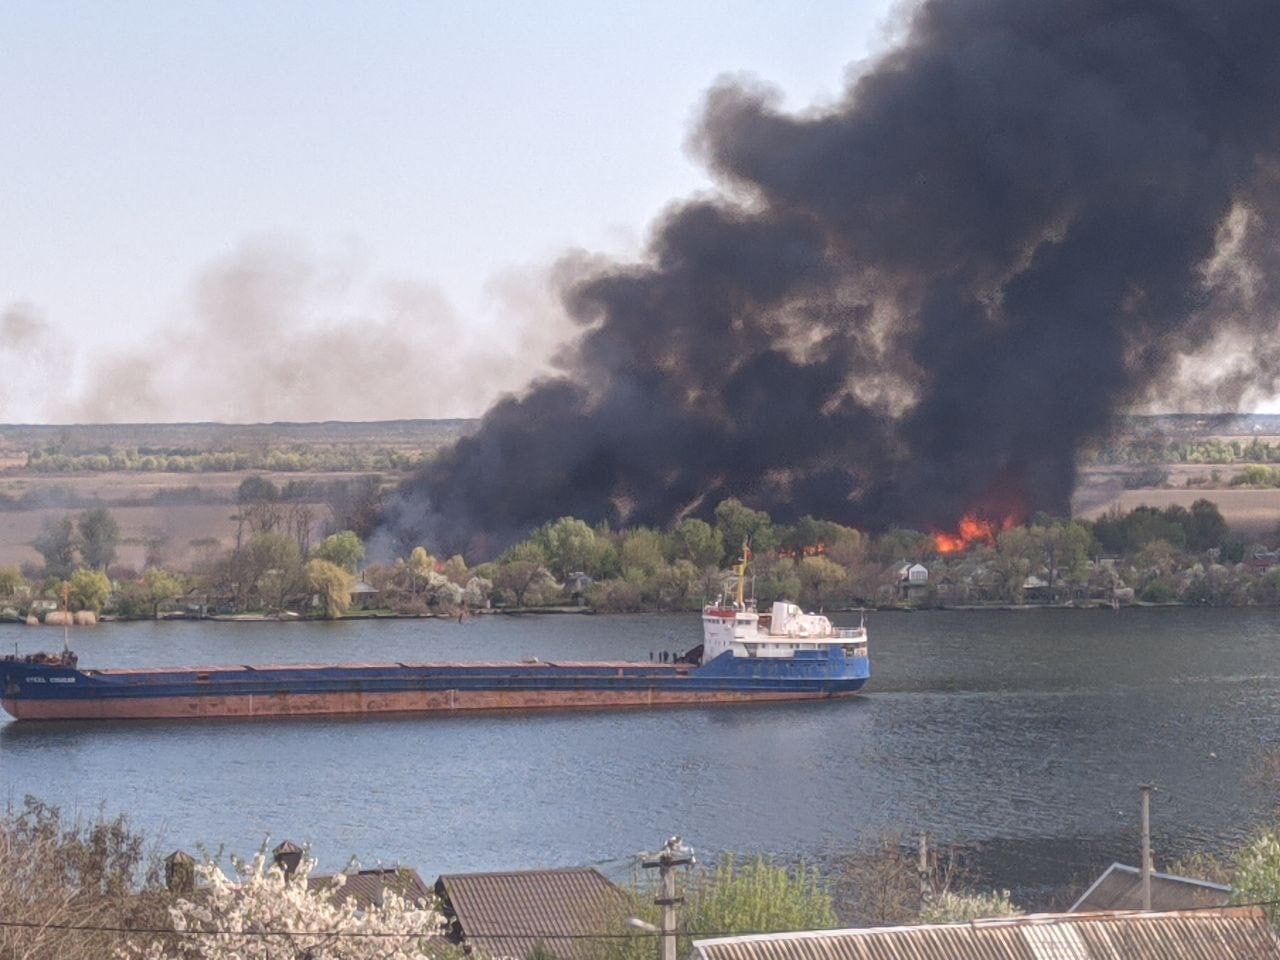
pixel 745 657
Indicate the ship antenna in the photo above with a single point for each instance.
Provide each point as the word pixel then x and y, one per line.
pixel 742 573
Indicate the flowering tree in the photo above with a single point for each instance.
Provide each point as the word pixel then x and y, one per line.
pixel 443 592
pixel 260 914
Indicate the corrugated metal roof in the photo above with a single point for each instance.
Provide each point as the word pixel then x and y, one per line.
pixel 1120 888
pixel 528 907
pixel 1224 934
pixel 367 887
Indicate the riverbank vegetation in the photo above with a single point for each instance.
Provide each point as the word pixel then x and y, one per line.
pixel 81 889
pixel 277 564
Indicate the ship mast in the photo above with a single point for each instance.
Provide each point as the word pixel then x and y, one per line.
pixel 742 575
pixel 66 618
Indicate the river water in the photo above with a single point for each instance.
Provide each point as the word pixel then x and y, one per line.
pixel 1023 735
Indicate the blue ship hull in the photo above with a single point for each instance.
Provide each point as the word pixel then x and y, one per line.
pixel 55 691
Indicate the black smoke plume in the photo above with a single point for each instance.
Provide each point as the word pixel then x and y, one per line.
pixel 923 300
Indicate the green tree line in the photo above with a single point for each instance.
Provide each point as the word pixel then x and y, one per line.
pixel 272 564
pixel 301 459
pixel 1210 451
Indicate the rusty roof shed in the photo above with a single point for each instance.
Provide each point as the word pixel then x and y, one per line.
pixel 509 914
pixel 1240 933
pixel 1120 888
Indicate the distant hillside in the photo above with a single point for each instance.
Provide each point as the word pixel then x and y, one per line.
pixel 1202 425
pixel 193 438
pixel 82 438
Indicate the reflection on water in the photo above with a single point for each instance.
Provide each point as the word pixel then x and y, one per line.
pixel 1023 733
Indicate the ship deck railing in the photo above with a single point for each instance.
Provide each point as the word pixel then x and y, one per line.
pixel 474 665
pixel 837 635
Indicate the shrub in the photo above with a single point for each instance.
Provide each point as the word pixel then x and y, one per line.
pixel 752 896
pixel 58 874
pixel 957 907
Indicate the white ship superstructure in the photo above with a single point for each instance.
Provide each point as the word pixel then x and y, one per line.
pixel 734 626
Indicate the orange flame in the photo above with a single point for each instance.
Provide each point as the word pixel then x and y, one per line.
pixel 971 529
pixel 1000 508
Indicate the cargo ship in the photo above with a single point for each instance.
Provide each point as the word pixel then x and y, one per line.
pixel 745 657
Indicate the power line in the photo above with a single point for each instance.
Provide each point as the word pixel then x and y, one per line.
pixel 169 931
pixel 545 934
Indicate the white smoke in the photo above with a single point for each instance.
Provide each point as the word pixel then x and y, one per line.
pixel 272 333
pixel 33 368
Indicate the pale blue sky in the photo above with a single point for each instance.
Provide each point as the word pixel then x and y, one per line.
pixel 443 144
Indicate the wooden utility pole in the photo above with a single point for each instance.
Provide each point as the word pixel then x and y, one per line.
pixel 674 854
pixel 922 867
pixel 1146 789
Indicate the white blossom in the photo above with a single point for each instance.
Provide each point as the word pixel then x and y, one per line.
pixel 477 592
pixel 260 914
pixel 443 591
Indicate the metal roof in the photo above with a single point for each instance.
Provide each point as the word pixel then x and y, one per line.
pixel 1120 888
pixel 530 907
pixel 367 887
pixel 1222 934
